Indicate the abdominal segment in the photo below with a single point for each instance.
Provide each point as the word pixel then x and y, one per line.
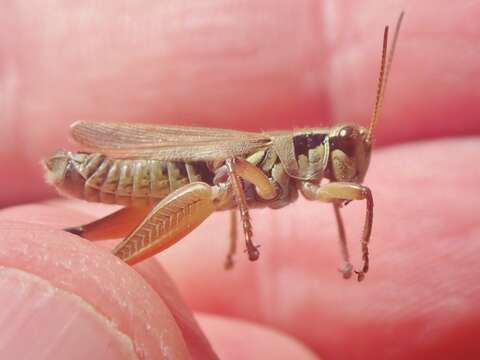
pixel 131 182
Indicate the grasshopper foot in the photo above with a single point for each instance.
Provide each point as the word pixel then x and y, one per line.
pixel 360 275
pixel 253 253
pixel 346 271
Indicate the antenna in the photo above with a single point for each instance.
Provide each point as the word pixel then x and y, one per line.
pixel 383 77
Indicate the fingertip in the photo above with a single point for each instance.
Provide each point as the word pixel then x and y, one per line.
pixel 56 324
pixel 102 294
pixel 57 214
pixel 239 339
pixel 197 343
pixel 422 253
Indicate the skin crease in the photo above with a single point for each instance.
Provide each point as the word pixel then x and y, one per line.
pixel 260 65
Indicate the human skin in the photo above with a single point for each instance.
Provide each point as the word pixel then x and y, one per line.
pixel 254 65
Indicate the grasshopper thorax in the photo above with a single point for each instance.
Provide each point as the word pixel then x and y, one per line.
pixel 349 153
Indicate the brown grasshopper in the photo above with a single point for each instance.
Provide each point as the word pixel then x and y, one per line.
pixel 171 178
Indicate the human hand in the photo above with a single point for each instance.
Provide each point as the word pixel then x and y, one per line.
pixel 236 69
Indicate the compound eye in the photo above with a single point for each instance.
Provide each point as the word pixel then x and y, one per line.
pixel 346 141
pixel 348 132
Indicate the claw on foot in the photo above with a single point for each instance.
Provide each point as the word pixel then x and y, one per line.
pixel 253 253
pixel 360 275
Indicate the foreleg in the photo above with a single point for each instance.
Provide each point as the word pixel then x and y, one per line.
pixel 337 192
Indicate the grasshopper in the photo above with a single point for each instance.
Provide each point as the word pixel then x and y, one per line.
pixel 171 178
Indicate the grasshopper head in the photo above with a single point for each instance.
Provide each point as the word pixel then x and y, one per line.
pixel 351 145
pixel 349 153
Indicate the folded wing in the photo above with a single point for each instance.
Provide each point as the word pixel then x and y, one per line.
pixel 166 142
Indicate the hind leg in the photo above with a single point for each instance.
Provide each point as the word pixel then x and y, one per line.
pixel 116 225
pixel 168 222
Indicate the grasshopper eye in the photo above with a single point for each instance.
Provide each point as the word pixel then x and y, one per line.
pixel 346 140
pixel 348 132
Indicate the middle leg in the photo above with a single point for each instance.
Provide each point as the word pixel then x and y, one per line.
pixel 237 168
pixel 237 188
pixel 233 240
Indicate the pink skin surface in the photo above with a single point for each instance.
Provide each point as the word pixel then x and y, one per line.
pixel 253 65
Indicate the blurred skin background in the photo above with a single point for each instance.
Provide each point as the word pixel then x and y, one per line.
pixel 251 65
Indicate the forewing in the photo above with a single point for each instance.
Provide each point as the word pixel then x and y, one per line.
pixel 166 142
